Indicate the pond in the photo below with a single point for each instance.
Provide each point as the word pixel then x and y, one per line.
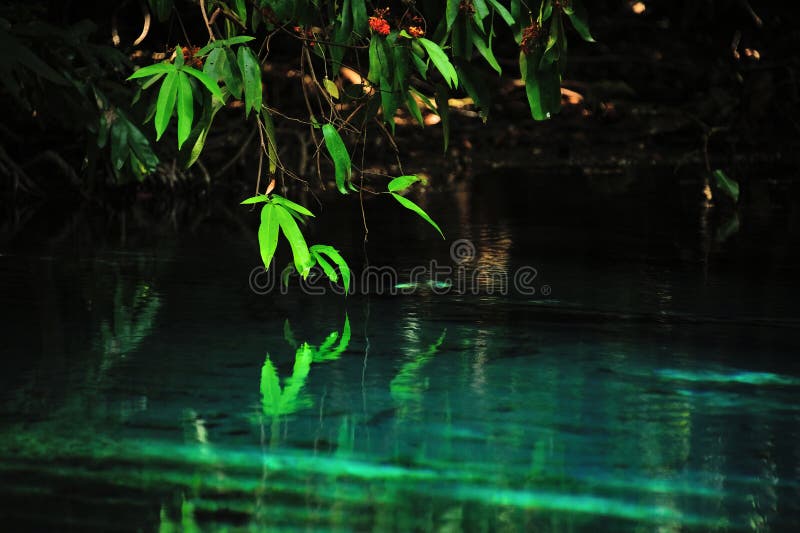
pixel 581 362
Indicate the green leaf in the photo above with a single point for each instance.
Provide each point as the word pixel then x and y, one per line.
pixel 413 108
pixel 485 51
pixel 331 87
pixel 481 10
pixel 552 51
pixel 340 156
pixel 451 12
pixel 408 204
pixel 402 182
pixel 327 268
pixel 440 61
pixel 141 147
pixel 421 65
pixel 255 199
pixel 268 233
pixel 209 112
pixel 272 147
pixel 251 71
pixel 280 200
pixel 231 74
pixel 542 86
pixel 302 258
pixel 221 43
pixel 206 80
pixel 213 65
pixel 270 387
pixel 152 70
pixel 359 16
pixel 185 104
pixel 504 13
pixel 580 19
pixel 334 255
pixel 166 102
pixel 178 57
pixel 241 11
pixel 119 144
pixel 727 185
pixel 441 96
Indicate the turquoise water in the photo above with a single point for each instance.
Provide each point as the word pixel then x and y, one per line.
pixel 145 386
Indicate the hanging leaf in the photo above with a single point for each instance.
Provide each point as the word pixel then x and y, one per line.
pixel 402 182
pixel 141 147
pixel 206 80
pixel 251 72
pixel 579 17
pixel 727 185
pixel 185 103
pixel 209 112
pixel 340 156
pixel 507 17
pixel 280 200
pixel 268 233
pixel 440 61
pixel 485 51
pixel 302 258
pixel 441 96
pixel 451 12
pixel 241 11
pixel 119 144
pixel 166 102
pixel 231 74
pixel 413 109
pixel 408 204
pixel 331 87
pixel 334 256
pixel 327 268
pixel 359 17
pixel 272 147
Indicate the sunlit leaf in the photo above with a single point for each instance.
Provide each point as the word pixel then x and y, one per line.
pixel 408 204
pixel 327 268
pixel 220 43
pixel 185 104
pixel 302 257
pixel 255 199
pixel 402 182
pixel 209 83
pixel 340 156
pixel 166 102
pixel 440 61
pixel 280 200
pixel 268 233
pixel 151 70
pixel 336 257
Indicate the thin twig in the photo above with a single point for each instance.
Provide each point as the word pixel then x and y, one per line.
pixel 205 19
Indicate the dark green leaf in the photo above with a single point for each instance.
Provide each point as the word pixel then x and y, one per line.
pixel 727 185
pixel 222 43
pixel 451 12
pixel 231 74
pixel 119 144
pixel 413 108
pixel 241 11
pixel 141 147
pixel 580 19
pixel 504 13
pixel 485 51
pixel 272 147
pixel 209 112
pixel 251 71
pixel 441 96
pixel 408 204
pixel 340 156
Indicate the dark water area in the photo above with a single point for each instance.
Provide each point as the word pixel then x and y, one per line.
pixel 598 359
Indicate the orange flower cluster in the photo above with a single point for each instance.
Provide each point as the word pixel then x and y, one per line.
pixel 189 57
pixel 378 22
pixel 308 34
pixel 466 7
pixel 416 31
pixel 531 38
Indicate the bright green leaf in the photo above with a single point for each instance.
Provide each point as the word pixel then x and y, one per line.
pixel 280 200
pixel 440 61
pixel 185 105
pixel 268 233
pixel 152 70
pixel 206 80
pixel 166 102
pixel 302 258
pixel 334 255
pixel 504 13
pixel 408 204
pixel 485 51
pixel 255 199
pixel 402 182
